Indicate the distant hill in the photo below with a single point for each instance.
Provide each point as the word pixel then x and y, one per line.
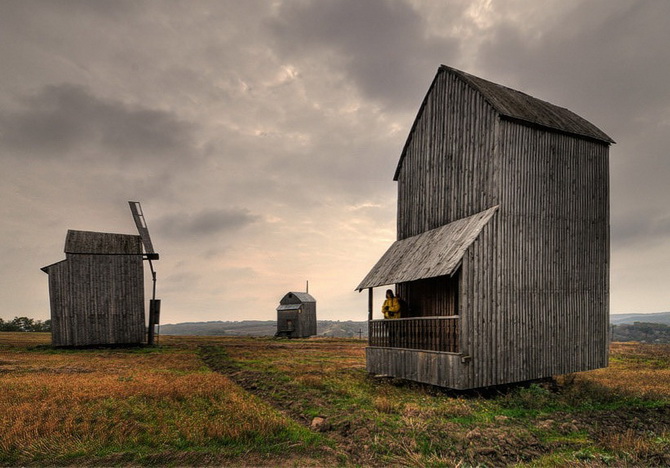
pixel 620 319
pixel 642 332
pixel 338 329
pixel 334 328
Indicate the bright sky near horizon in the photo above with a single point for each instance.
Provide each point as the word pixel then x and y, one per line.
pixel 261 137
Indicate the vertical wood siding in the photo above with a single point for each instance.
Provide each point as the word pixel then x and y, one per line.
pixel 421 366
pixel 307 320
pixel 534 287
pixel 432 297
pixel 447 171
pixel 97 299
pixel 554 234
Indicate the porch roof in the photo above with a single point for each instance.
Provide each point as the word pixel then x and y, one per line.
pixel 437 252
pixel 289 307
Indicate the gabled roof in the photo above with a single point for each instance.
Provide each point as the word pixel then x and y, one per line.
pixel 102 243
pixel 437 252
pixel 520 107
pixel 301 296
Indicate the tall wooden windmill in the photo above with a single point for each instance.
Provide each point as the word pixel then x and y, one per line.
pixel 503 241
pixel 97 293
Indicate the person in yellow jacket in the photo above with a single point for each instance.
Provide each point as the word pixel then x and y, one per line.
pixel 391 307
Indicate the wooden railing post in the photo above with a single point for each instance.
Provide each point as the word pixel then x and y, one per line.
pixel 422 333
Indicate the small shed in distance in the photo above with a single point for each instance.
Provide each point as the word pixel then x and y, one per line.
pixel 97 292
pixel 296 315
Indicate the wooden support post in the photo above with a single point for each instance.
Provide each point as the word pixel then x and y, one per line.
pixel 369 304
pixel 154 318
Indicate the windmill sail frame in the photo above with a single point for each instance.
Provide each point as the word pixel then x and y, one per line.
pixel 140 222
pixel 143 230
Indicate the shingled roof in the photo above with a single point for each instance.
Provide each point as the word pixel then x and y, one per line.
pixel 437 252
pixel 514 105
pixel 300 296
pixel 102 243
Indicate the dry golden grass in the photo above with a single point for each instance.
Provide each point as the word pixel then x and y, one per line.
pixel 157 406
pixel 386 405
pixel 312 380
pixel 637 368
pixel 105 400
pixel 628 441
pixel 22 340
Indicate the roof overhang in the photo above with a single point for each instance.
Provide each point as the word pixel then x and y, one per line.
pixel 289 307
pixel 433 253
pixel 46 269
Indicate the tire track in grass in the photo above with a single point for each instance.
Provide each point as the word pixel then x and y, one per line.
pixel 347 432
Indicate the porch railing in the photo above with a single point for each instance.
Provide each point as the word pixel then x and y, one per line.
pixel 424 333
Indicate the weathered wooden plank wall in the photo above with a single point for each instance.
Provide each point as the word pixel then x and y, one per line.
pixel 97 299
pixel 431 297
pixel 554 234
pixel 447 172
pixel 307 320
pixel 421 366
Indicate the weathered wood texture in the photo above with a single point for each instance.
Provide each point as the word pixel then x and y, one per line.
pixel 433 253
pixel 425 333
pixel 431 367
pixel 105 243
pixel 533 297
pixel 432 297
pixel 296 315
pixel 97 300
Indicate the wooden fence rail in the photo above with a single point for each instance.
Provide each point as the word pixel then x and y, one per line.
pixel 426 333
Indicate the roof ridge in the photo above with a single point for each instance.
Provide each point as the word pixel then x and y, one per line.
pixel 514 105
pixel 476 81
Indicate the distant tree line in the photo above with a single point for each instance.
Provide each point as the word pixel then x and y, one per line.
pixel 330 328
pixel 643 332
pixel 25 324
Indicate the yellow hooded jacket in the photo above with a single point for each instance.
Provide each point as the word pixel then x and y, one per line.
pixel 391 308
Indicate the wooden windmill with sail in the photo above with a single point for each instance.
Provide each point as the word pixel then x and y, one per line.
pixel 96 293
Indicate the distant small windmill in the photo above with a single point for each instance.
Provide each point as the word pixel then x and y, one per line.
pixel 150 254
pixel 296 315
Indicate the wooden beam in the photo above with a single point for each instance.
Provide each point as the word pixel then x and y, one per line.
pixel 369 304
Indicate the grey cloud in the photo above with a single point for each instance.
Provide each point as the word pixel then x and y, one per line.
pixel 20 9
pixel 66 120
pixel 205 223
pixel 602 53
pixel 181 279
pixel 383 46
pixel 644 227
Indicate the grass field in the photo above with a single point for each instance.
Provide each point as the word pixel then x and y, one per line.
pixel 250 401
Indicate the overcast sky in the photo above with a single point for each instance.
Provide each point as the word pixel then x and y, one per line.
pixel 261 137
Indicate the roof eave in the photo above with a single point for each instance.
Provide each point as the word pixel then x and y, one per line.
pixel 45 269
pixel 605 139
pixel 432 253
